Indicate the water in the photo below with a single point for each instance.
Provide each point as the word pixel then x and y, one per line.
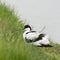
pixel 39 13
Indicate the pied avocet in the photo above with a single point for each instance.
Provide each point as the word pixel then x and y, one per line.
pixel 35 38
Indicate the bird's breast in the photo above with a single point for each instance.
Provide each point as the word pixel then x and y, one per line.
pixel 31 36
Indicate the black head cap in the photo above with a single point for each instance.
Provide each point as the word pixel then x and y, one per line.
pixel 27 26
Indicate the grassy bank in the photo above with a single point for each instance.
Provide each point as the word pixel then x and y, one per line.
pixel 12 45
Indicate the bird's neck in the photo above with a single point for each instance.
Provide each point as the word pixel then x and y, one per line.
pixel 27 30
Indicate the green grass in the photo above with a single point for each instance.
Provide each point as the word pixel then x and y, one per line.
pixel 12 45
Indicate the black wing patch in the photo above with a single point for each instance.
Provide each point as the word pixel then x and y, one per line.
pixel 31 32
pixel 37 39
pixel 40 36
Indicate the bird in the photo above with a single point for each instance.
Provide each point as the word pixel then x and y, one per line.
pixel 35 38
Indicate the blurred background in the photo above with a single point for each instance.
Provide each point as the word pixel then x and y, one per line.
pixel 39 13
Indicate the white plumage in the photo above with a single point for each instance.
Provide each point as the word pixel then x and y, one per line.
pixel 34 37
